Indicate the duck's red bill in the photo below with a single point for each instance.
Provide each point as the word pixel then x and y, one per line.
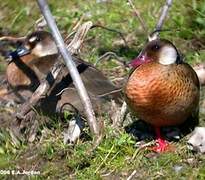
pixel 141 59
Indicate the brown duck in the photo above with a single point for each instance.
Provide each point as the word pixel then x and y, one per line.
pixel 162 90
pixel 32 61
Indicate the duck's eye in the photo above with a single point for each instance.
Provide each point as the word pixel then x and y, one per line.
pixel 38 39
pixel 156 47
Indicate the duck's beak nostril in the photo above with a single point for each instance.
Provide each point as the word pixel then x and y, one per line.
pixel 142 58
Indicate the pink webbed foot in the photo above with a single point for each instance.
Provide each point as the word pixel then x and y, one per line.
pixel 161 144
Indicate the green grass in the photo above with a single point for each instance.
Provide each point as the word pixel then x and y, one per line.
pixel 116 157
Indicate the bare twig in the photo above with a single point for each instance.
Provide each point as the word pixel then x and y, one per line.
pixel 112 30
pixel 108 54
pixel 132 175
pixel 78 23
pixel 40 23
pixel 161 20
pixel 123 112
pixel 164 14
pixel 109 93
pixel 77 81
pixel 75 45
pixel 93 96
pixel 137 13
pixel 12 39
pixel 74 29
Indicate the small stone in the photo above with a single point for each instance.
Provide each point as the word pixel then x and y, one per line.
pixel 197 140
pixel 177 168
pixel 74 130
pixel 190 160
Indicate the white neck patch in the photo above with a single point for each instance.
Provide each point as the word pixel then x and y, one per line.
pixel 168 55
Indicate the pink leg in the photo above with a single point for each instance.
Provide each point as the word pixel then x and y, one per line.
pixel 162 144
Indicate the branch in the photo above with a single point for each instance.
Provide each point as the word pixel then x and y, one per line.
pixel 108 54
pixel 12 39
pixel 112 30
pixel 163 15
pixel 77 81
pixel 40 23
pixel 161 20
pixel 74 29
pixel 137 13
pixel 77 41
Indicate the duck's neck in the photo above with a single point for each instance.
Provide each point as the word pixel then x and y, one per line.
pixel 17 72
pixel 29 69
pixel 43 65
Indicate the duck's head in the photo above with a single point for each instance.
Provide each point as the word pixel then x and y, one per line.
pixel 159 50
pixel 38 44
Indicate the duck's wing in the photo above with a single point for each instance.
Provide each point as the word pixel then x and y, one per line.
pixel 189 71
pixel 94 80
pixel 193 119
pixel 99 88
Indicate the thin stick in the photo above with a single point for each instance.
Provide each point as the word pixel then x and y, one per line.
pixel 40 23
pixel 108 54
pixel 74 29
pixel 112 30
pixel 77 81
pixel 163 15
pixel 154 35
pixel 12 39
pixel 132 175
pixel 82 31
pixel 137 13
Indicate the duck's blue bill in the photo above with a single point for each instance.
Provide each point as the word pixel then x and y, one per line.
pixel 19 52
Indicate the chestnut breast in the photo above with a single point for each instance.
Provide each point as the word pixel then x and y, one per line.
pixel 163 95
pixel 22 71
pixel 15 71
